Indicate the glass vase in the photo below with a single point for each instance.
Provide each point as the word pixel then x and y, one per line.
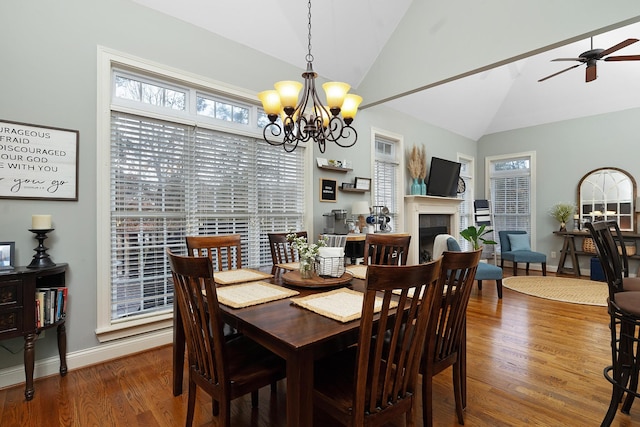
pixel 423 187
pixel 306 268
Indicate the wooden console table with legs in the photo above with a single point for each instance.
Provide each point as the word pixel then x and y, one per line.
pixel 18 288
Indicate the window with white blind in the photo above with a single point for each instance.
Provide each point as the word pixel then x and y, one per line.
pixel 170 177
pixel 511 192
pixel 465 208
pixel 386 176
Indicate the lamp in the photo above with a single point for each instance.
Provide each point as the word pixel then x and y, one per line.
pixel 360 208
pixel 308 118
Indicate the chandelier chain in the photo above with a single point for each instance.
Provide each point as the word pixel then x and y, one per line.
pixel 309 55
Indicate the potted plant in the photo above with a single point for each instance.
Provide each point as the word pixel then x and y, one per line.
pixel 474 235
pixel 562 212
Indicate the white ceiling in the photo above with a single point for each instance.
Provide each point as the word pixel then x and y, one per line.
pixel 503 98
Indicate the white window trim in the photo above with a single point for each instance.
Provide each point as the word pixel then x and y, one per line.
pixel 532 170
pixel 399 139
pixel 107 329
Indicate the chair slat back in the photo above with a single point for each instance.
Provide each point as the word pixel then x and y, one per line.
pixel 223 250
pixel 195 293
pixel 386 249
pixel 282 251
pixel 447 323
pixel 607 251
pixel 381 385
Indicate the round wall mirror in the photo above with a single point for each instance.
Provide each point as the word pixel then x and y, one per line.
pixel 608 194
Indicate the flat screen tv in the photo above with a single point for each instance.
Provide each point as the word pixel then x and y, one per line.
pixel 443 178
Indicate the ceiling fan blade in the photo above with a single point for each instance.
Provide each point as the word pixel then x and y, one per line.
pixel 559 72
pixel 591 73
pixel 568 59
pixel 619 46
pixel 623 58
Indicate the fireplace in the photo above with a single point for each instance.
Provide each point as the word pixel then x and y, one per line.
pixel 426 217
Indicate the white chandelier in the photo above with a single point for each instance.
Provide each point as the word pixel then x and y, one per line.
pixel 309 118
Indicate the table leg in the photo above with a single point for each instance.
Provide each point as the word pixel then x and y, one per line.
pixel 568 248
pixel 178 351
pixel 300 389
pixel 29 348
pixel 62 348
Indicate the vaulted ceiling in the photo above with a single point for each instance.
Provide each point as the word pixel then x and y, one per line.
pixel 471 71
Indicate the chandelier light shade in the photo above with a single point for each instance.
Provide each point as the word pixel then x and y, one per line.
pixel 305 117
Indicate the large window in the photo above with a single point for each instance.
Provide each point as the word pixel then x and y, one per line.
pixel 465 208
pixel 512 192
pixel 386 176
pixel 183 162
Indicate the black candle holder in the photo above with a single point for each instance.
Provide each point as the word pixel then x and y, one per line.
pixel 41 258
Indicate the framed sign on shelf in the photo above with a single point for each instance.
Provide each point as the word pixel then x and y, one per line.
pixel 328 190
pixel 363 183
pixel 38 162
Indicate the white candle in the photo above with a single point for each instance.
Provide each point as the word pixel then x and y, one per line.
pixel 41 222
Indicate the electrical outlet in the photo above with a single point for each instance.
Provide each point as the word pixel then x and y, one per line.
pixel 553 254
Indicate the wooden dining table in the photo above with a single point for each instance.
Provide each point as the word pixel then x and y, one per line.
pixel 296 334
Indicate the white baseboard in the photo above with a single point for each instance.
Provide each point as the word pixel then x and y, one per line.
pixel 86 357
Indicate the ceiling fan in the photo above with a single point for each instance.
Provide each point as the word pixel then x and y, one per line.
pixel 592 56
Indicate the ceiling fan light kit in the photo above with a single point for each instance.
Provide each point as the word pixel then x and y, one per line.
pixel 592 56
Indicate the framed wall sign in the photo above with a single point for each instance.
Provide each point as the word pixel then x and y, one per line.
pixel 363 184
pixel 7 255
pixel 38 162
pixel 328 190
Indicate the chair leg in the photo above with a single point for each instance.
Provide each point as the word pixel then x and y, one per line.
pixel 479 284
pixel 544 268
pixel 427 399
pixel 515 268
pixel 457 391
pixel 499 287
pixel 191 402
pixel 274 387
pixel 254 399
pixel 527 269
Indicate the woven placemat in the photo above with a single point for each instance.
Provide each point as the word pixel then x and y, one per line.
pixel 358 271
pixel 253 293
pixel 240 275
pixel 289 266
pixel 343 305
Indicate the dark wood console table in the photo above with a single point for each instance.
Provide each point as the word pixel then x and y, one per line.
pixel 569 249
pixel 18 313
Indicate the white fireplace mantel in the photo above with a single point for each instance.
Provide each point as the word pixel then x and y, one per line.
pixel 414 206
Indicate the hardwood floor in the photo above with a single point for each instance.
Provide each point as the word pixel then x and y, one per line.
pixel 530 362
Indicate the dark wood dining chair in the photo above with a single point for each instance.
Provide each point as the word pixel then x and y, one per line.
pixel 386 249
pixel 624 312
pixel 224 250
pixel 282 251
pixel 446 334
pixel 375 381
pixel 225 369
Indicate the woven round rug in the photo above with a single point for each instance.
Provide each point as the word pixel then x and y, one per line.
pixel 576 291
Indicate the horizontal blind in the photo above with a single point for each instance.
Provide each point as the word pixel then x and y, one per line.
pixel 170 180
pixel 511 198
pixel 147 210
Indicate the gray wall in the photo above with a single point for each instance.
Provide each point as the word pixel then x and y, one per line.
pixel 565 152
pixel 49 78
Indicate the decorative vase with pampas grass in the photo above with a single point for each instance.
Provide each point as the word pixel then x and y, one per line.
pixel 423 171
pixel 415 169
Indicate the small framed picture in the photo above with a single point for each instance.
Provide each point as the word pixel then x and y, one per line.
pixel 7 255
pixel 363 183
pixel 328 190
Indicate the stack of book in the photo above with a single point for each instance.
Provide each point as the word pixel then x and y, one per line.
pixel 51 305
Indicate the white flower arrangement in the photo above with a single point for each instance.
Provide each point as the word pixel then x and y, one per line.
pixel 305 250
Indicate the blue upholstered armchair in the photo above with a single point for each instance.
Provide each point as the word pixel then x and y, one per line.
pixel 485 271
pixel 515 246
